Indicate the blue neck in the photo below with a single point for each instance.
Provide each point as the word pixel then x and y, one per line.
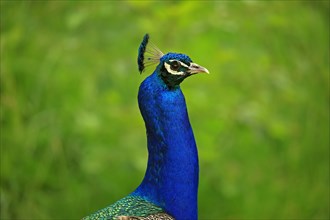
pixel 171 179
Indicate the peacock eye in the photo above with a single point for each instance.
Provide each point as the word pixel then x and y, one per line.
pixel 175 65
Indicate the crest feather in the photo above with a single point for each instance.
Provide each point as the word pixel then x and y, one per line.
pixel 148 54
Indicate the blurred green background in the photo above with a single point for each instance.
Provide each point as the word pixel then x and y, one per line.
pixel 73 140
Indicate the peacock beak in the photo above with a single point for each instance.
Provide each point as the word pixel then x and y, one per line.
pixel 195 68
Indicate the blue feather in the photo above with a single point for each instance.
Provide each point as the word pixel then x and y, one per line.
pixel 171 179
pixel 148 54
pixel 176 56
pixel 142 50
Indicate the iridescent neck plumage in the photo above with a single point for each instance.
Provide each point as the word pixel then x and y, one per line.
pixel 171 179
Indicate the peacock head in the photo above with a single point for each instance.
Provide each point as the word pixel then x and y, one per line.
pixel 173 68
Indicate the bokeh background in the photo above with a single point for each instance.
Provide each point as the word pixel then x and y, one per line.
pixel 73 140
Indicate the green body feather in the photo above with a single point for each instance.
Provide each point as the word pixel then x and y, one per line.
pixel 134 206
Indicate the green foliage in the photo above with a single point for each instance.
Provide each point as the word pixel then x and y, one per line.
pixel 73 140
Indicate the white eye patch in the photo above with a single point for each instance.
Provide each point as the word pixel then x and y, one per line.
pixel 173 72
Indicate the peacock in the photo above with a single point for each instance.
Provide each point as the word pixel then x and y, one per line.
pixel 169 188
